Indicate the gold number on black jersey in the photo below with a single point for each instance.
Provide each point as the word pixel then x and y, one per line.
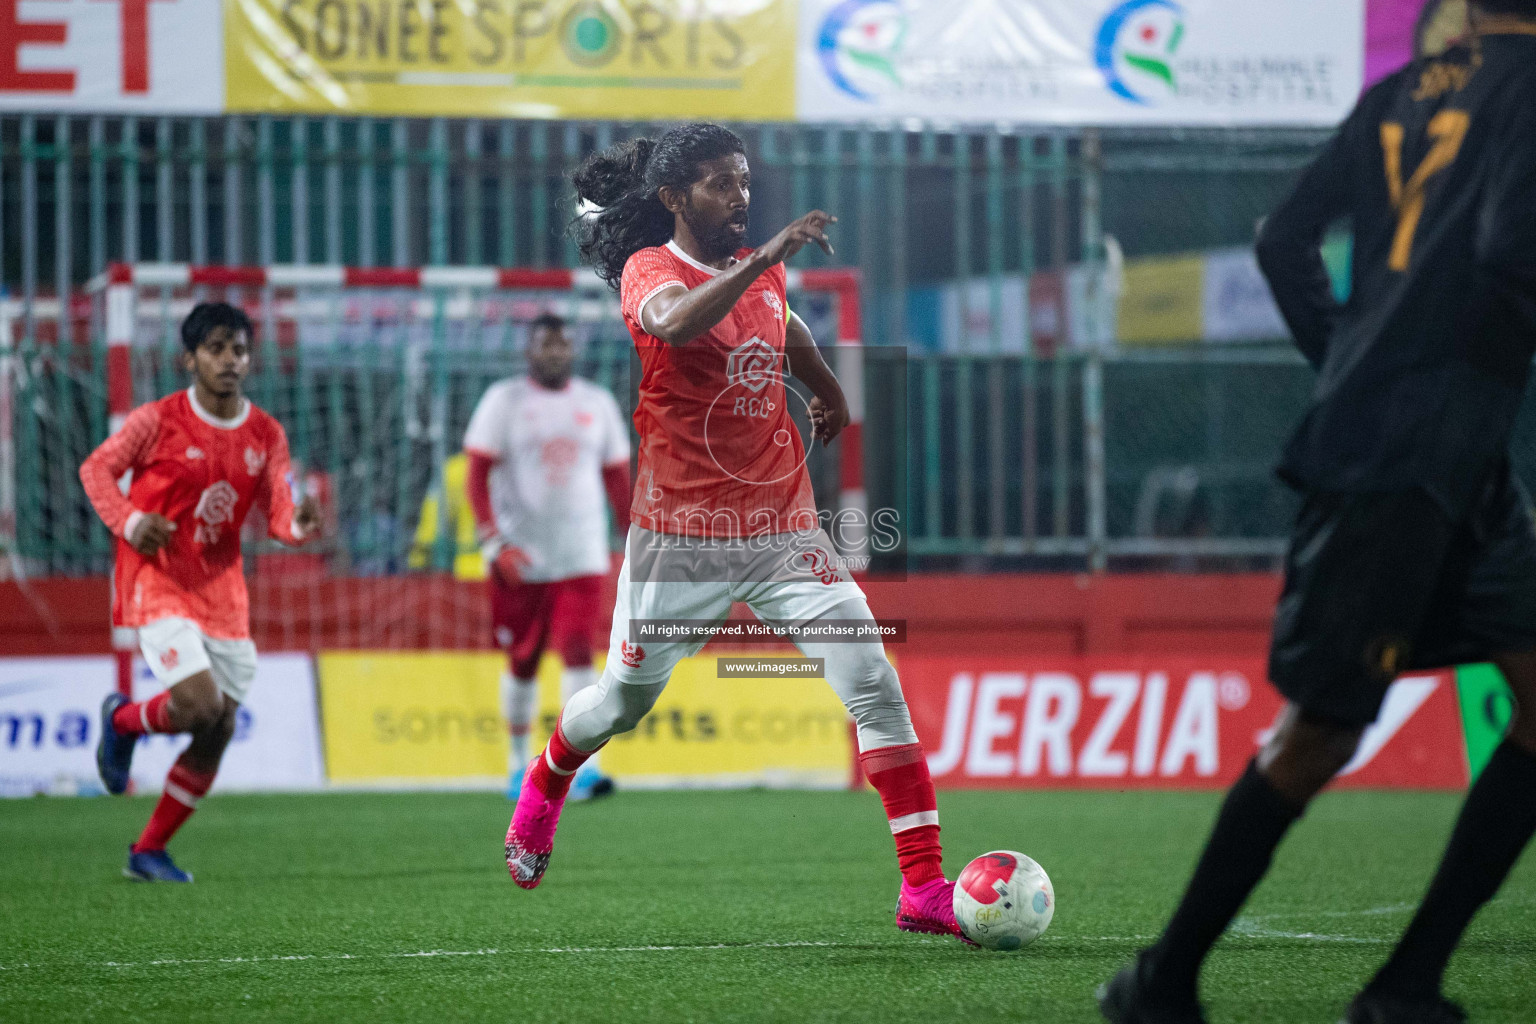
pixel 1449 130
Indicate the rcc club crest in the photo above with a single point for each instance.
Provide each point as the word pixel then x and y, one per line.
pixel 752 365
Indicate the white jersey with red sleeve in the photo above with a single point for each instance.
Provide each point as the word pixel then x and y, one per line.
pixel 549 449
pixel 720 455
pixel 204 474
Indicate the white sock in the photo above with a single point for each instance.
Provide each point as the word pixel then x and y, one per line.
pixel 519 700
pixel 518 759
pixel 572 682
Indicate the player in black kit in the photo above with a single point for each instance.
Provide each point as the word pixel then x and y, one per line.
pixel 1415 545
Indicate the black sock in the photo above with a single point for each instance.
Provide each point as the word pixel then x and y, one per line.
pixel 1253 820
pixel 1495 823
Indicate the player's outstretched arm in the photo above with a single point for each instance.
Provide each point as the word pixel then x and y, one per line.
pixel 678 315
pixel 829 407
pixel 105 466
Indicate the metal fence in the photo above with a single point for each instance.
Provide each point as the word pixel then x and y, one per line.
pixel 989 461
pixel 921 206
pixel 1128 460
pixel 997 459
pixel 914 206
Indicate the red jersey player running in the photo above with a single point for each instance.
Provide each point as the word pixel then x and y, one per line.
pixel 200 459
pixel 542 449
pixel 723 509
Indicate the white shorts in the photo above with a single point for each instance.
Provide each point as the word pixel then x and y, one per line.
pixel 652 587
pixel 177 649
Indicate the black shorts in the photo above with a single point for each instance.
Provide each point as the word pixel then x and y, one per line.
pixel 1377 584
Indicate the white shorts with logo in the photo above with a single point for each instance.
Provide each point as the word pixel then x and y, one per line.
pixel 176 649
pixel 659 587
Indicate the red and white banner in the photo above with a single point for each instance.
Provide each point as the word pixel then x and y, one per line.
pixel 1119 723
pixel 151 56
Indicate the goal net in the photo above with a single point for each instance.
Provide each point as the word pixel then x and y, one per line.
pixel 374 374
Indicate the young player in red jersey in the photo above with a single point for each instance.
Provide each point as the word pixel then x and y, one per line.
pixel 200 459
pixel 542 450
pixel 723 509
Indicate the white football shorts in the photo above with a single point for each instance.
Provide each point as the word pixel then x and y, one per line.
pixel 666 578
pixel 176 649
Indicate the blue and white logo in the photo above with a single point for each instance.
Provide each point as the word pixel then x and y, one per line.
pixel 1135 49
pixel 859 46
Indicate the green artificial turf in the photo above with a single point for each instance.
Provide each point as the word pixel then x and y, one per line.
pixel 717 906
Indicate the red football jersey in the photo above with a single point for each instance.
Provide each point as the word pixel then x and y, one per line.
pixel 719 452
pixel 203 474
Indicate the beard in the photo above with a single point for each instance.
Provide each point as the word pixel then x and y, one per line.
pixel 718 240
pixel 552 377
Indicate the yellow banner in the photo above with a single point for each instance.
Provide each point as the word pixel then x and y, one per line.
pixel 412 716
pixel 640 59
pixel 434 717
pixel 1161 301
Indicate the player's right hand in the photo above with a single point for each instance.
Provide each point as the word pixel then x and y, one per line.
pixel 509 565
pixel 152 533
pixel 810 228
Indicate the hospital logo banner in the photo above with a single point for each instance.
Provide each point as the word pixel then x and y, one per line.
pixel 1082 62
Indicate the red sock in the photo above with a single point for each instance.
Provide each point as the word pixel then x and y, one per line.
pixel 151 715
pixel 556 766
pixel 900 776
pixel 184 787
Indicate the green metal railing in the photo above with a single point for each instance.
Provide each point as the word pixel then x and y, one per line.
pixel 996 453
pixel 915 207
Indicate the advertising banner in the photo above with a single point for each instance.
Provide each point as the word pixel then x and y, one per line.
pixel 1094 62
pixel 1093 297
pixel 707 731
pixel 608 59
pixel 1487 707
pixel 1236 301
pixel 49 725
pixel 1072 62
pixel 400 719
pixel 276 745
pixel 1162 301
pixel 410 717
pixel 1047 312
pixel 1150 723
pixel 972 315
pixel 122 56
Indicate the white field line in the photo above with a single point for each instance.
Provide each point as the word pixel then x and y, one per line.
pixel 1249 931
pixel 1248 926
pixel 1253 926
pixel 445 952
pixel 1393 908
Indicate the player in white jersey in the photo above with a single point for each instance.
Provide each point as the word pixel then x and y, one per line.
pixel 542 451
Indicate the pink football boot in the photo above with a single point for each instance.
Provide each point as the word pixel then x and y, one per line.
pixel 531 836
pixel 928 908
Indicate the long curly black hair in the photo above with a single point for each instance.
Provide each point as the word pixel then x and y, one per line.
pixel 619 212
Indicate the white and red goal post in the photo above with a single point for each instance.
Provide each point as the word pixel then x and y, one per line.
pixel 139 306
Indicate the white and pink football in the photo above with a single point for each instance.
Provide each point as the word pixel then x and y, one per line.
pixel 1004 900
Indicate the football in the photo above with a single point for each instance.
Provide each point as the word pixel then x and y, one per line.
pixel 1003 900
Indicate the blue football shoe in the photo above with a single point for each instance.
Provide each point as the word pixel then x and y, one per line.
pixel 589 784
pixel 114 751
pixel 153 866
